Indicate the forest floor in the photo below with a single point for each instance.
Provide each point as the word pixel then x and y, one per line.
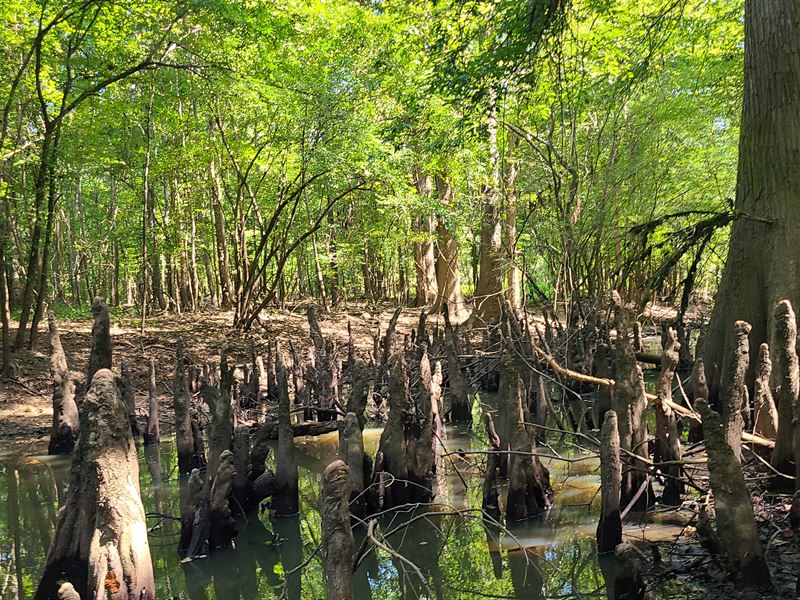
pixel 25 402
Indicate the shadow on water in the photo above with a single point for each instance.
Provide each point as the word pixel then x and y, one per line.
pixel 446 551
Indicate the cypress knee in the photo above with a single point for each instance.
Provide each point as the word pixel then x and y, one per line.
pixel 100 543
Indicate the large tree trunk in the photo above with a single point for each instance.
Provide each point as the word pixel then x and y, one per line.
pixel 448 274
pixel 489 288
pixel 763 263
pixel 424 258
pixel 100 544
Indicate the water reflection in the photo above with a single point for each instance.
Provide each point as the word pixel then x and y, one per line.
pixel 435 554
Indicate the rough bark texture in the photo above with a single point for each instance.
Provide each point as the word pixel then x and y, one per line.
pixel 668 444
pixel 734 389
pixel 459 396
pixel 529 481
pixel 766 415
pixel 785 348
pixel 629 402
pixel 66 423
pixel 100 355
pixel 184 438
pixel 609 530
pixel 127 392
pixel 448 274
pixel 338 547
pixel 100 544
pixel 285 500
pixel 152 433
pixel 765 240
pixel 424 256
pixel 736 524
pixel 351 450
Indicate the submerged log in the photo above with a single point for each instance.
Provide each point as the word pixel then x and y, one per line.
pixel 100 355
pixel 100 544
pixel 766 415
pixel 734 387
pixel 152 433
pixel 668 444
pixel 609 529
pixel 789 386
pixel 736 524
pixel 66 423
pixel 338 546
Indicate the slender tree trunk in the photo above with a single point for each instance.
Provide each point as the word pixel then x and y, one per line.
pixel 765 239
pixel 222 245
pixel 31 274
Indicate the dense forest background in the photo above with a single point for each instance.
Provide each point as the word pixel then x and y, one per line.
pixel 182 155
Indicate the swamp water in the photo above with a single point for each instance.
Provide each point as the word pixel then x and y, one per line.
pixel 457 556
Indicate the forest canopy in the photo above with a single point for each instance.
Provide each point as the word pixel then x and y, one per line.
pixel 178 155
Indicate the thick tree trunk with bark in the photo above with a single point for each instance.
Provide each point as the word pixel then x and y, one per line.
pixel 338 546
pixel 609 529
pixel 66 423
pixel 668 444
pixel 101 353
pixel 448 273
pixel 736 524
pixel 424 256
pixel 785 348
pixel 100 545
pixel 765 239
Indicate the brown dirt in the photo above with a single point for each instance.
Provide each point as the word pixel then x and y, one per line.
pixel 25 405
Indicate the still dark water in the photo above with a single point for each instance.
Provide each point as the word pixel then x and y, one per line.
pixel 457 556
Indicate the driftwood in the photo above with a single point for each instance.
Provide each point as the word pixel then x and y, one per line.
pixel 734 387
pixel 789 386
pixel 736 524
pixel 100 355
pixel 338 546
pixel 668 444
pixel 100 543
pixel 765 421
pixel 609 529
pixel 66 423
pixel 152 433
